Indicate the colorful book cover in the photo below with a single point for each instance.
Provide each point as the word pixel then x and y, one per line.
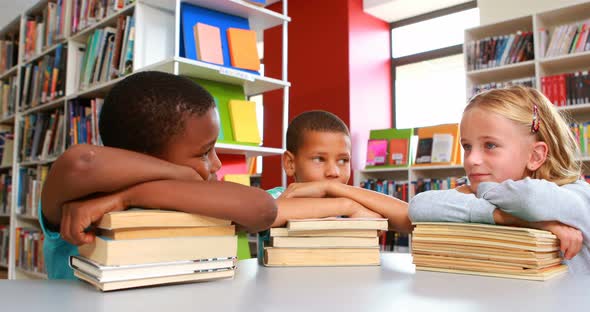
pixel 243 179
pixel 242 48
pixel 376 152
pixel 208 43
pixel 424 152
pixel 398 152
pixel 244 121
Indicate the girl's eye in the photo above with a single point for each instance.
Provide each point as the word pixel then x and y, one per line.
pixel 343 161
pixel 490 145
pixel 467 147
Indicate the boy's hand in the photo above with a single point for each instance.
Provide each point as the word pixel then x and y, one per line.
pixel 77 216
pixel 571 239
pixel 317 189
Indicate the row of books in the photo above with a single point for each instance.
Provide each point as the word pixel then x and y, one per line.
pixel 8 91
pixel 527 82
pixel 489 250
pixel 29 249
pixel 31 182
pixel 500 50
pixel 565 39
pixel 45 30
pixel 567 89
pixel 8 52
pixel 150 247
pixel 581 132
pixel 108 53
pixel 44 80
pixel 399 189
pixel 4 243
pixel 86 13
pixel 83 121
pixel 6 146
pixel 5 192
pixel 42 135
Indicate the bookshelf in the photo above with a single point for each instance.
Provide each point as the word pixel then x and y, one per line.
pixel 63 40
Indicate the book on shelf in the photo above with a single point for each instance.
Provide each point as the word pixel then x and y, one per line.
pixel 567 89
pixel 425 143
pixel 5 192
pixel 29 250
pixel 242 49
pixel 6 146
pixel 565 39
pixel 376 152
pixel 442 148
pixel 86 13
pixel 31 187
pixel 83 121
pixel 208 43
pixel 44 29
pixel 488 250
pixel 9 51
pixel 324 242
pixel 527 82
pixel 42 135
pixel 4 243
pixel 243 179
pixel 500 50
pixel 8 92
pixel 424 152
pixel 244 121
pixel 44 79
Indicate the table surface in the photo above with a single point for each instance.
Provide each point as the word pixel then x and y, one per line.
pixel 393 286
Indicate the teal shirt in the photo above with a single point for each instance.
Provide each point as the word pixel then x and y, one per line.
pixel 57 252
pixel 264 236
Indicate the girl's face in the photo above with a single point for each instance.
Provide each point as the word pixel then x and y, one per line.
pixel 496 148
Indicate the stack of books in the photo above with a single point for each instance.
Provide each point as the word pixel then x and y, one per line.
pixel 483 249
pixel 151 247
pixel 325 242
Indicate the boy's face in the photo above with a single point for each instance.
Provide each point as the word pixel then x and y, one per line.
pixel 194 146
pixel 322 156
pixel 496 148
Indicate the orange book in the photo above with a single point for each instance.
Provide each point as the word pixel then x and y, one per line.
pixel 398 151
pixel 452 129
pixel 208 43
pixel 242 49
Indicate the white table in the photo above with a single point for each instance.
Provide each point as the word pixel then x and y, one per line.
pixel 394 286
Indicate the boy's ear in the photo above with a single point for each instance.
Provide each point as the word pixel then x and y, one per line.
pixel 289 163
pixel 538 156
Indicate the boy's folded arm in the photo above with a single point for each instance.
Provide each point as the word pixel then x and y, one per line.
pixel 249 207
pixel 87 169
pixel 450 206
pixel 538 200
pixel 395 210
pixel 307 208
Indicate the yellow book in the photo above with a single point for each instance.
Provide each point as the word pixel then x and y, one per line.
pixel 244 121
pixel 243 179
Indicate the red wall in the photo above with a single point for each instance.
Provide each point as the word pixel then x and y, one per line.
pixel 336 63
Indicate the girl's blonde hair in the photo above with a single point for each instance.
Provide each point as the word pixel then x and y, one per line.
pixel 517 104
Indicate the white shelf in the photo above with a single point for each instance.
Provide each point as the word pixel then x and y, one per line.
pixel 248 151
pixel 253 84
pixel 385 169
pixel 32 274
pixel 38 162
pixel 260 18
pixel 565 63
pixel 97 90
pixel 575 109
pixel 499 73
pixel 46 106
pixel 82 35
pixel 7 120
pixel 44 52
pixel 27 217
pixel 9 72
pixel 438 167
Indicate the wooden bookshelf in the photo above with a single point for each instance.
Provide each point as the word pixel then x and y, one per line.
pixel 156 47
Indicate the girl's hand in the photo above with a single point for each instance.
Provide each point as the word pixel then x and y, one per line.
pixel 571 239
pixel 465 189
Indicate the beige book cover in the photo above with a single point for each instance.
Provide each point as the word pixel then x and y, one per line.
pixel 337 224
pixel 321 256
pixel 325 242
pixel 137 218
pixel 159 232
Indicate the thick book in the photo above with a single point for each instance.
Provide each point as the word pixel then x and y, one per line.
pixel 208 43
pixel 115 273
pixel 337 224
pixel 321 256
pixel 159 232
pixel 376 152
pixel 325 242
pixel 539 275
pixel 141 251
pixel 176 279
pixel 156 218
pixel 282 232
pixel 242 49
